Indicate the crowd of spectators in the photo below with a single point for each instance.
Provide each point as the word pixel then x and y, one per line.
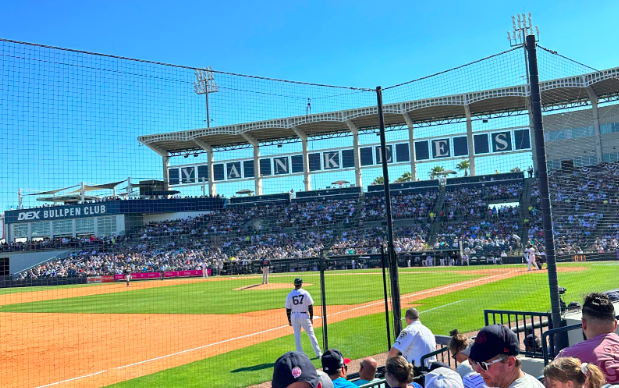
pixel 413 206
pixel 585 208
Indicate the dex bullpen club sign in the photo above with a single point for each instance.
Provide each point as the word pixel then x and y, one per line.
pixel 61 212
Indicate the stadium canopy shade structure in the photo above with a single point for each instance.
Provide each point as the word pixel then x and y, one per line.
pixel 556 94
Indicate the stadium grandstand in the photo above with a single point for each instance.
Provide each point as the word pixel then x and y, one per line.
pixel 469 195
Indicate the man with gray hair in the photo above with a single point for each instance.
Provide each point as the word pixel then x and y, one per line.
pixel 414 341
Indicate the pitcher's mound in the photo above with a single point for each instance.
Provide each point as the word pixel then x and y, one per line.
pixel 270 286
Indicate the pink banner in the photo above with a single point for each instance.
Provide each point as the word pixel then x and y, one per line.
pixel 167 274
pixel 185 274
pixel 141 275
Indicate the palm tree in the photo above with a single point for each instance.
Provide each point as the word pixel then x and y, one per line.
pixel 435 172
pixel 379 181
pixel 406 177
pixel 464 166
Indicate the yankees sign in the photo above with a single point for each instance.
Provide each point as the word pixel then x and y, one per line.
pixel 370 156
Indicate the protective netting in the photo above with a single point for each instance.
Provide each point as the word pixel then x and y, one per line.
pixel 141 201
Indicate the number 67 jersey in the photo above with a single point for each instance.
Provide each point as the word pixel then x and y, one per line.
pixel 299 300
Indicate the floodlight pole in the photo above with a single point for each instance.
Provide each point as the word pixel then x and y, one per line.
pixel 393 261
pixel 205 84
pixel 542 174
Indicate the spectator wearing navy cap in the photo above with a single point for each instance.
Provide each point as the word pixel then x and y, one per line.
pixel 494 355
pixel 335 365
pixel 295 370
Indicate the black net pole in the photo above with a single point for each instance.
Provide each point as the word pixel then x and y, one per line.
pixel 393 263
pixel 325 336
pixel 542 175
pixel 383 264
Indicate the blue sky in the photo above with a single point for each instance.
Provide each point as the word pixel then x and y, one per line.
pixel 353 43
pixel 68 125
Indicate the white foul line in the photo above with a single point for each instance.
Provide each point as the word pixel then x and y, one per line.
pixel 268 330
pixel 73 379
pixel 439 307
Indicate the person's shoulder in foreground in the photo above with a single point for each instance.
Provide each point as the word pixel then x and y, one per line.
pixel 526 381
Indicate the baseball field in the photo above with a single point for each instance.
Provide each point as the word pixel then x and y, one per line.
pixel 228 331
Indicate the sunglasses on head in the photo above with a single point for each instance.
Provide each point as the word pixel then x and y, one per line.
pixel 485 365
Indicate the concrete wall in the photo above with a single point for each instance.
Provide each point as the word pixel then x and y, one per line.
pixel 21 261
pixel 171 216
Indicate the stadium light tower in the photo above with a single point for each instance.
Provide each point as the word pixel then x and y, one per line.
pixel 517 37
pixel 205 84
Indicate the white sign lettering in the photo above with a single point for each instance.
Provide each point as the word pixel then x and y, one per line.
pixel 233 172
pixel 501 142
pixel 28 216
pixel 441 148
pixel 281 165
pixel 331 160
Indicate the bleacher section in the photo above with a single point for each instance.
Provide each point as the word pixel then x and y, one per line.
pixel 476 212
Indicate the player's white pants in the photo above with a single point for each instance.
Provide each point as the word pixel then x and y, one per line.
pixel 204 272
pixel 529 262
pixel 442 262
pixel 299 321
pixel 265 275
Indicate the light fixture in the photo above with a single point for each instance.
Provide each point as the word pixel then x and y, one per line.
pixel 279 146
pixel 186 156
pixel 195 155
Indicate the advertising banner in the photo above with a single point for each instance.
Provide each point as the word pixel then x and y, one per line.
pixel 157 275
pixel 185 274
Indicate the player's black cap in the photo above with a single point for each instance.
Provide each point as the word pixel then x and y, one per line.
pixel 491 341
pixel 293 367
pixel 298 281
pixel 333 360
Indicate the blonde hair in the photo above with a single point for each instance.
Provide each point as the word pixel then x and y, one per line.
pixel 401 370
pixel 571 369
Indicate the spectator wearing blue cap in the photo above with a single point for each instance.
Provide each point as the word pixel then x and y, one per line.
pixel 494 356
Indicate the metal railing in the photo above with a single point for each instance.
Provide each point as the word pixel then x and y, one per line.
pixel 443 355
pixel 522 323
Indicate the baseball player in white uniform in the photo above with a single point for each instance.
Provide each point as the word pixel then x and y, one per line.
pixel 127 277
pixel 204 270
pixel 300 312
pixel 530 255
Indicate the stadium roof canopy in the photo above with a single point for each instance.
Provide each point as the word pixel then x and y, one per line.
pixel 556 94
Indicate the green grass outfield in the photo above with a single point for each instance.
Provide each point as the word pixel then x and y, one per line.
pixel 220 297
pixel 363 336
pixel 21 290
